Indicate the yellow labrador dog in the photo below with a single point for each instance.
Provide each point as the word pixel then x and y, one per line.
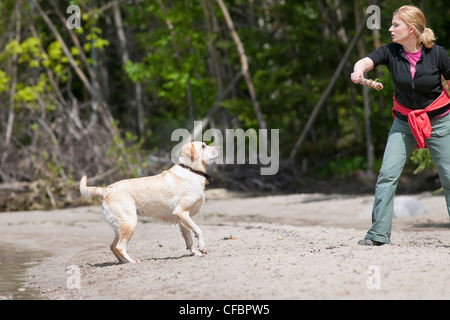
pixel 174 195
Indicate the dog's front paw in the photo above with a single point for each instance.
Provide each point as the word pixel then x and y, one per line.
pixel 201 246
pixel 203 250
pixel 133 261
pixel 196 252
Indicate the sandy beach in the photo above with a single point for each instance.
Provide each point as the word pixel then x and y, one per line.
pixel 285 247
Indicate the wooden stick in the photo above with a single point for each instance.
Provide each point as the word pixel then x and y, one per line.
pixel 371 83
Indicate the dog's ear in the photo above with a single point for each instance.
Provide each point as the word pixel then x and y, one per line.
pixel 193 153
pixel 188 152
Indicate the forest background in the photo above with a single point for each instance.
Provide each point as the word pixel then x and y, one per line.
pixel 103 98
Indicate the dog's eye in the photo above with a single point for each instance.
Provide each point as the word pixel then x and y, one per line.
pixel 203 146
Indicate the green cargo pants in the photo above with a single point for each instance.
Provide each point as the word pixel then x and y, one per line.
pixel 399 147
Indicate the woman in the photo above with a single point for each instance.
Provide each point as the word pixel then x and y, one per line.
pixel 421 110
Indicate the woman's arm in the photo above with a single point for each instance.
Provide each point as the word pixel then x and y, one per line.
pixel 361 66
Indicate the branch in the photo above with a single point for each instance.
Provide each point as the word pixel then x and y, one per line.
pixel 244 64
pixel 327 91
pixel 94 91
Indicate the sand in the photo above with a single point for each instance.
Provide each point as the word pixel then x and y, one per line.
pixel 285 247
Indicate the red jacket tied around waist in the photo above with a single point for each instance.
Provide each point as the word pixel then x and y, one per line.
pixel 418 119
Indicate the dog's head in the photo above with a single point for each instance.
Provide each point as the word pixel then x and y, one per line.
pixel 199 153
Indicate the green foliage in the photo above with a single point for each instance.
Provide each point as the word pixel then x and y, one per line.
pixel 422 159
pixel 4 81
pixel 343 167
pixel 184 68
pixel 127 154
pixel 174 63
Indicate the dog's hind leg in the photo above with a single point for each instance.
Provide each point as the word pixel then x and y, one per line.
pixel 123 225
pixel 126 230
pixel 113 248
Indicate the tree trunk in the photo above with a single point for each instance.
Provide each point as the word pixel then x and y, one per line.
pixel 244 64
pixel 327 92
pixel 125 57
pixel 12 91
pixel 213 54
pixel 366 101
pixel 190 101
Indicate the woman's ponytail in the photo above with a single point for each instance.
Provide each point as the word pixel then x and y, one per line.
pixel 427 38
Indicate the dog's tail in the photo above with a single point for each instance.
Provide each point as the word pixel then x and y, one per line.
pixel 89 192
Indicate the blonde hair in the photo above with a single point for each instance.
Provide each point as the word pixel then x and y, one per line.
pixel 415 18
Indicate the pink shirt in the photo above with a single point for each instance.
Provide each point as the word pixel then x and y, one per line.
pixel 413 58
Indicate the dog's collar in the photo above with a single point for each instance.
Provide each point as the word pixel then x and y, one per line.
pixel 201 173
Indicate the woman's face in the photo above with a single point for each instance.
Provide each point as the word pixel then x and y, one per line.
pixel 399 30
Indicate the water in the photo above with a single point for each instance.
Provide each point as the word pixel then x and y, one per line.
pixel 13 265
